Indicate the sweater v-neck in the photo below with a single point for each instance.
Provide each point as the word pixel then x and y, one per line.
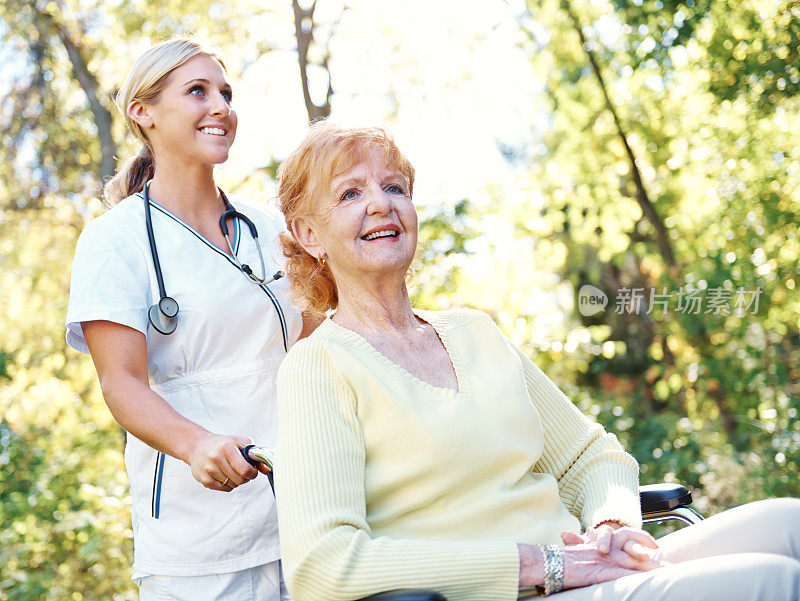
pixel 451 348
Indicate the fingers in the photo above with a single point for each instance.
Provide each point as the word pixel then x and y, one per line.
pixel 607 537
pixel 639 547
pixel 584 565
pixel 217 485
pixel 636 550
pixel 571 538
pixel 242 441
pixel 627 547
pixel 644 539
pixel 236 467
pixel 603 536
pixel 218 464
pixel 646 555
pixel 214 477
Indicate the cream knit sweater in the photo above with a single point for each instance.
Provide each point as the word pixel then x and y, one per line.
pixel 384 481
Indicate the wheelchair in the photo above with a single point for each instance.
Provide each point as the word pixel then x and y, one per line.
pixel 659 503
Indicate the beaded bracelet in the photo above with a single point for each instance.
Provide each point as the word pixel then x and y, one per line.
pixel 553 570
pixel 553 574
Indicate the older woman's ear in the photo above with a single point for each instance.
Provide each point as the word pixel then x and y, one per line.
pixel 304 234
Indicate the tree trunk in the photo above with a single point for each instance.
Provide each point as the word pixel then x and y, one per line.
pixel 102 116
pixel 304 36
pixel 642 198
pixel 91 88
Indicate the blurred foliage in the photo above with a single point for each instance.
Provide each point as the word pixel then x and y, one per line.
pixel 692 107
pixel 64 498
pixel 65 511
pixel 697 138
pixel 705 96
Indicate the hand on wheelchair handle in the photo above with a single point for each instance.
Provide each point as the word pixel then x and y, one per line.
pixel 261 458
pixel 216 463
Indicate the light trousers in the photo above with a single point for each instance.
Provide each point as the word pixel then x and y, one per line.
pixel 750 553
pixel 261 583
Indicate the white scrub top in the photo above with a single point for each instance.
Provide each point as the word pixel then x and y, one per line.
pixel 217 369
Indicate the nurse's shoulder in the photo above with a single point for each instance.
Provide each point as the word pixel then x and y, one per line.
pixel 122 226
pixel 110 277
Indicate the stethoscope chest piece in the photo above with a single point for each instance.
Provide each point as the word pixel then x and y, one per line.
pixel 164 315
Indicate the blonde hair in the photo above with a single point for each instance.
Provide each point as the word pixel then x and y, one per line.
pixel 326 152
pixel 145 81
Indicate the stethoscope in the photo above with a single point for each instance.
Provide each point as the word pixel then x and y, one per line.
pixel 163 315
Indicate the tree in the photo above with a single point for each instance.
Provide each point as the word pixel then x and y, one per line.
pixel 662 171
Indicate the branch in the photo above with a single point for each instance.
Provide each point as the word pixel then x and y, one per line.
pixel 304 39
pixel 270 169
pixel 91 88
pixel 649 211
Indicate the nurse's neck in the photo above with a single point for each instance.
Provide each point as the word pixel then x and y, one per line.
pixel 191 194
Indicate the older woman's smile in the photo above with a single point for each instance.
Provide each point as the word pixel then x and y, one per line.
pixel 364 221
pixel 382 232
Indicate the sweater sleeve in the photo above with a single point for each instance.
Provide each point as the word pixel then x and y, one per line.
pixel 597 479
pixel 328 550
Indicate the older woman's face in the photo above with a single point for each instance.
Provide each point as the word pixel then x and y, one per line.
pixel 365 222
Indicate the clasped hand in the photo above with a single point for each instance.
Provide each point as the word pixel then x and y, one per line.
pixel 601 554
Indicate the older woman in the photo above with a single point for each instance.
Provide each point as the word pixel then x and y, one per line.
pixel 423 449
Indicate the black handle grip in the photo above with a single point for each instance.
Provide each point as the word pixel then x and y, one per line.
pixel 246 454
pixel 406 595
pixel 255 462
pixel 256 455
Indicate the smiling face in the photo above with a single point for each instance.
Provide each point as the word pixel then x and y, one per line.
pixel 364 221
pixel 191 119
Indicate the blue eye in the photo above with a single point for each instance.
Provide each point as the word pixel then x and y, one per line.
pixel 395 189
pixel 350 194
pixel 197 90
pixel 227 95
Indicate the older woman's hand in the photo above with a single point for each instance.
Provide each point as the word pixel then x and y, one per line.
pixel 586 564
pixel 639 545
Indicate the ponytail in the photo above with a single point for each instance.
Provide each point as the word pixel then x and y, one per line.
pixel 131 178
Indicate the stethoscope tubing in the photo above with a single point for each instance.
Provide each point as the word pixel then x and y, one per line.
pixel 148 220
pixel 163 315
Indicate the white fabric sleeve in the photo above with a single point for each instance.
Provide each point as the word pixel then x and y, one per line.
pixel 110 281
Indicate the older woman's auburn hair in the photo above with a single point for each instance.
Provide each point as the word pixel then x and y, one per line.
pixel 326 152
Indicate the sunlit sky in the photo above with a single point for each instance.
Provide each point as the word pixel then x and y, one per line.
pixel 446 77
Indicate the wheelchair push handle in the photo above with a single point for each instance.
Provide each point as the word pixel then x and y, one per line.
pixel 255 455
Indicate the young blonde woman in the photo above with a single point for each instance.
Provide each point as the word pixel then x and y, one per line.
pixel 173 294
